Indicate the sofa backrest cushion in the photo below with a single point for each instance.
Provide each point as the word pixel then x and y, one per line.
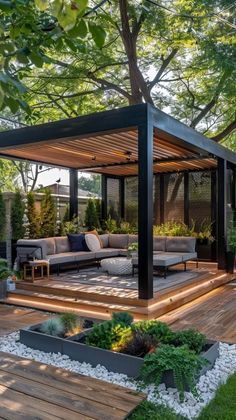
pixel 77 242
pixel 118 240
pixel 50 245
pixel 105 240
pixel 159 243
pixel 132 239
pixel 92 242
pixel 94 232
pixel 180 244
pixel 62 244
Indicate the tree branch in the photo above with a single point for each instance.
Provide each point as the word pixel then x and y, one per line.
pixel 164 65
pixel 227 130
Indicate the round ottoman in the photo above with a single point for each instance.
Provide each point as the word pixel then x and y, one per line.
pixel 117 266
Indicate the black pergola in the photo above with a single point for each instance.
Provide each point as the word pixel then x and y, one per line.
pixel 137 140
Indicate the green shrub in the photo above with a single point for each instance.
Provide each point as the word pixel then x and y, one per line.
pixel 106 334
pixel 33 217
pixel 2 217
pixel 191 338
pixel 53 326
pixel 184 363
pixel 159 330
pixel 123 318
pixel 110 225
pixel 17 213
pixel 91 216
pixel 48 215
pixel 173 228
pixel 69 320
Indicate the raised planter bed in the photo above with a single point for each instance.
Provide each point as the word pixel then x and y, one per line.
pixel 76 349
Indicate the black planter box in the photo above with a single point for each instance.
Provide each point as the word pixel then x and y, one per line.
pixel 231 262
pixel 113 361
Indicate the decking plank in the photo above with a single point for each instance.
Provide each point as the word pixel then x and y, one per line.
pixel 59 393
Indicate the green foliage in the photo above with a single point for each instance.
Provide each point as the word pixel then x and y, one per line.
pixel 184 363
pixel 106 335
pixel 159 330
pixel 5 272
pixel 173 228
pixel 48 215
pixel 113 226
pixel 91 216
pixel 91 183
pixel 72 226
pixel 231 236
pixel 2 217
pixel 222 407
pixel 122 318
pixel 66 217
pixel 149 411
pixel 110 225
pixel 191 338
pixel 53 326
pixel 133 247
pixel 33 217
pixel 69 320
pixel 205 231
pixel 17 213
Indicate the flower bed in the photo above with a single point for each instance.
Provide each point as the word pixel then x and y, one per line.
pixel 147 350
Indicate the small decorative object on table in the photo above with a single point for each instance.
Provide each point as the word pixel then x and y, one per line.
pixel 132 249
pixel 32 266
pixel 117 266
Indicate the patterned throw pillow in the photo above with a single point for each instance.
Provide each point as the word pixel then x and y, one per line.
pixel 92 242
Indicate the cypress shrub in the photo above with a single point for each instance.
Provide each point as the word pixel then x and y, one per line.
pixel 2 217
pixel 91 216
pixel 17 213
pixel 33 217
pixel 48 215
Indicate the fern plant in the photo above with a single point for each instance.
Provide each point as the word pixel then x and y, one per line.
pixel 184 363
pixel 53 326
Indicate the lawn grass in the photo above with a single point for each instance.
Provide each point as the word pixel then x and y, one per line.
pixel 148 411
pixel 223 406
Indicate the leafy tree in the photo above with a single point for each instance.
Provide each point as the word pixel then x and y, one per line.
pixel 17 213
pixel 48 215
pixel 2 217
pixel 91 216
pixel 33 217
pixel 91 183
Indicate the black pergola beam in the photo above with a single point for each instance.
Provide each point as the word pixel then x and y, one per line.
pixel 73 204
pixel 145 209
pixel 222 213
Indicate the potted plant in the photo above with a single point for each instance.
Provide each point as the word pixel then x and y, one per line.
pixel 132 250
pixel 7 278
pixel 231 248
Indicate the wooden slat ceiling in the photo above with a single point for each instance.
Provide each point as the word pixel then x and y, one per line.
pixel 114 153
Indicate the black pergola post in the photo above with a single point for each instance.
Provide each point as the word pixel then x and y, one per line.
pixel 222 213
pixel 145 210
pixel 104 197
pixel 122 197
pixel 73 193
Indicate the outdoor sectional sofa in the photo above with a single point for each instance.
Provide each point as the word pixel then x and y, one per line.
pixel 168 251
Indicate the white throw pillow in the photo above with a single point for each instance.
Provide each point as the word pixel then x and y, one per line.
pixel 92 242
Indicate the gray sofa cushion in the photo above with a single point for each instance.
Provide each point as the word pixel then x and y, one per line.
pixel 47 245
pixel 50 245
pixel 108 252
pixel 67 257
pixel 104 240
pixel 159 243
pixel 62 244
pixel 119 240
pixel 180 244
pixel 132 239
pixel 186 256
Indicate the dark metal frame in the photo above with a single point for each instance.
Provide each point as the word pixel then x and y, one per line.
pixel 145 118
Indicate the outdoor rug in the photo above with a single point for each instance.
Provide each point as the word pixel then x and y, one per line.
pixel 96 277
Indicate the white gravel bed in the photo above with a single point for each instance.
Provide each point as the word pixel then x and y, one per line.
pixel 191 407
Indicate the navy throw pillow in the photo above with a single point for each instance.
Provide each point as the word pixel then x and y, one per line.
pixel 77 242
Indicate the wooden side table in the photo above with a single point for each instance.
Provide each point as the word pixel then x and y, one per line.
pixel 33 266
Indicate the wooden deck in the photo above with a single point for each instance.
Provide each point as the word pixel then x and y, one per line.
pixel 214 314
pixel 12 319
pixel 31 390
pixel 64 293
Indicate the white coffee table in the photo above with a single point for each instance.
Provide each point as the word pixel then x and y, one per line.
pixel 119 266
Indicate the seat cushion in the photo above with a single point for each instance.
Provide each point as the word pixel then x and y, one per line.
pixel 186 256
pixel 107 252
pixel 180 244
pixel 67 257
pixel 77 242
pixel 159 243
pixel 118 240
pixel 62 244
pixel 163 260
pixel 92 242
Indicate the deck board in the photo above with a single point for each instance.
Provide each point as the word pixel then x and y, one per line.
pixel 214 314
pixel 30 390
